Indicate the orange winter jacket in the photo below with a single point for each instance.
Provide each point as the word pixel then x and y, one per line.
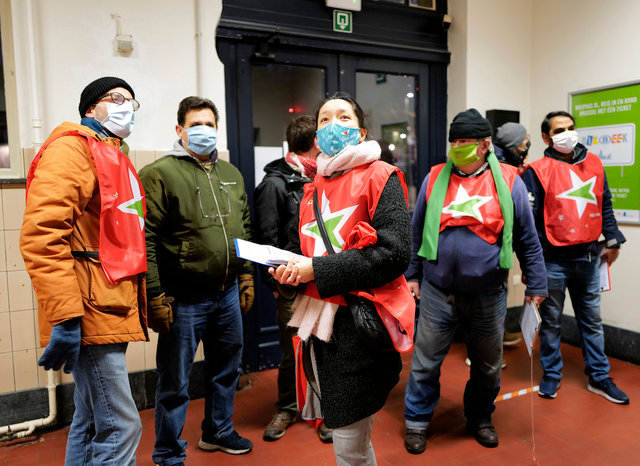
pixel 62 215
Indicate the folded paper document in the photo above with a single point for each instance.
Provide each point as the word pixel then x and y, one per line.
pixel 265 255
pixel 530 324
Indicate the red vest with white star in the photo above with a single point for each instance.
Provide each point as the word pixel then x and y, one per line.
pixel 356 193
pixel 486 221
pixel 568 219
pixel 123 250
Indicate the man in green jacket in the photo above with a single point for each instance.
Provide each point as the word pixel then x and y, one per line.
pixel 196 206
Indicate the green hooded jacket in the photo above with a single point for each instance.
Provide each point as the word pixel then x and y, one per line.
pixel 192 218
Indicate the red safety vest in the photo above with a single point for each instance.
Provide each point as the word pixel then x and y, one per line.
pixel 473 202
pixel 573 199
pixel 348 203
pixel 123 250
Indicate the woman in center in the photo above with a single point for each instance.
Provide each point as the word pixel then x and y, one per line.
pixel 363 204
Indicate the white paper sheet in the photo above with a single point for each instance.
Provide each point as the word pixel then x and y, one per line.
pixel 265 255
pixel 530 324
pixel 603 268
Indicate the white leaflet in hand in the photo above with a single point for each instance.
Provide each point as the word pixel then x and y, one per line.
pixel 265 255
pixel 530 324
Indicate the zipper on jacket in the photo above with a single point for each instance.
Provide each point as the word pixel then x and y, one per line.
pixel 224 230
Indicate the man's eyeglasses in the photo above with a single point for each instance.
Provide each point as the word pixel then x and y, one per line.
pixel 119 99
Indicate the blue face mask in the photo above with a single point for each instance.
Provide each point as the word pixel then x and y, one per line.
pixel 202 139
pixel 334 137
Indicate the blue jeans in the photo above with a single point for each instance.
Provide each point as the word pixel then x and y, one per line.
pixel 106 427
pixel 482 316
pixel 583 281
pixel 218 323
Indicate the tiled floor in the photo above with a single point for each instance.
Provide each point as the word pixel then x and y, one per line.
pixel 577 428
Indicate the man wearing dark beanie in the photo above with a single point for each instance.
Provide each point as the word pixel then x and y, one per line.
pixel 512 145
pixel 472 213
pixel 83 244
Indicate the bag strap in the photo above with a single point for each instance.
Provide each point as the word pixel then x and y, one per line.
pixel 320 222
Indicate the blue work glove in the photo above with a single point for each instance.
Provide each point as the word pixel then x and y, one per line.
pixel 63 347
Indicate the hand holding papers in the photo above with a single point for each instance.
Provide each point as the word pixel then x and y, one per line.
pixel 603 268
pixel 265 255
pixel 530 324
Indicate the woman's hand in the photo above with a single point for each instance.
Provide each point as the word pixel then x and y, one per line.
pixel 293 273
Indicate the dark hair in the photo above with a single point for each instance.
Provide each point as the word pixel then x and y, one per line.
pixel 546 123
pixel 195 103
pixel 301 133
pixel 363 120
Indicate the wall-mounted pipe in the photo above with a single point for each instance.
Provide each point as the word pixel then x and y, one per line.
pixel 199 49
pixel 26 428
pixel 35 95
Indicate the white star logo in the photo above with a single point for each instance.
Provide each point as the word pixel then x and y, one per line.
pixel 134 206
pixel 581 192
pixel 333 222
pixel 466 206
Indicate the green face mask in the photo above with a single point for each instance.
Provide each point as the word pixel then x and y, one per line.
pixel 462 156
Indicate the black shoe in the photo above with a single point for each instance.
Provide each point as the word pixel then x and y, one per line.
pixel 415 441
pixel 484 433
pixel 609 390
pixel 325 434
pixel 232 444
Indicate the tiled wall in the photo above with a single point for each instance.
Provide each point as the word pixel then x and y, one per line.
pixel 19 335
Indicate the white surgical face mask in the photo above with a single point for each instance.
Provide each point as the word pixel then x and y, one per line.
pixel 565 142
pixel 119 120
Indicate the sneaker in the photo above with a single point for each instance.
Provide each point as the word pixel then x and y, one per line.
pixel 415 441
pixel 548 387
pixel 484 433
pixel 608 389
pixel 325 434
pixel 232 444
pixel 511 338
pixel 278 425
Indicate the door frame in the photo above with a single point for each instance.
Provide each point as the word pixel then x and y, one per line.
pixel 261 341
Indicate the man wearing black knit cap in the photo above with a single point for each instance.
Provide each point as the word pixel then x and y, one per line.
pixel 472 213
pixel 83 244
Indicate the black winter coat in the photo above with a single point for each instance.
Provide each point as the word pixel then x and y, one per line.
pixel 276 201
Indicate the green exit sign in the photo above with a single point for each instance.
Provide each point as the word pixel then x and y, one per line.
pixel 342 21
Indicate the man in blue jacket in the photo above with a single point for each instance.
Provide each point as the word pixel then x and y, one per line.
pixel 572 207
pixel 471 214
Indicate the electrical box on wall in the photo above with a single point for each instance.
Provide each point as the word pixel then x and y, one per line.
pixel 353 5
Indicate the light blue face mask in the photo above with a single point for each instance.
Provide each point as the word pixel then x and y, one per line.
pixel 334 137
pixel 202 139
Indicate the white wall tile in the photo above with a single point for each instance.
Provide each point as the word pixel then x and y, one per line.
pixel 20 296
pixel 7 381
pixel 22 336
pixel 5 332
pixel 25 369
pixel 135 356
pixel 14 259
pixel 13 203
pixel 150 349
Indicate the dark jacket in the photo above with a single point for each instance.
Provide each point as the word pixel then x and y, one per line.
pixel 190 248
pixel 576 252
pixel 468 264
pixel 355 381
pixel 506 155
pixel 276 201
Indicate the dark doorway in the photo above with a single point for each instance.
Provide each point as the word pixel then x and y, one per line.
pixel 272 78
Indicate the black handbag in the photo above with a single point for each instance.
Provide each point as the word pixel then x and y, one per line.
pixel 369 326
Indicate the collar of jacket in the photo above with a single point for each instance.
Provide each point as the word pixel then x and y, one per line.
pixel 579 154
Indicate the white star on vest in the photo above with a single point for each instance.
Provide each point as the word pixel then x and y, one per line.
pixel 466 206
pixel 134 206
pixel 581 192
pixel 333 221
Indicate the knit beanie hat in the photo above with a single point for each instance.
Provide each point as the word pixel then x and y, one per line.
pixel 469 124
pixel 97 89
pixel 511 134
